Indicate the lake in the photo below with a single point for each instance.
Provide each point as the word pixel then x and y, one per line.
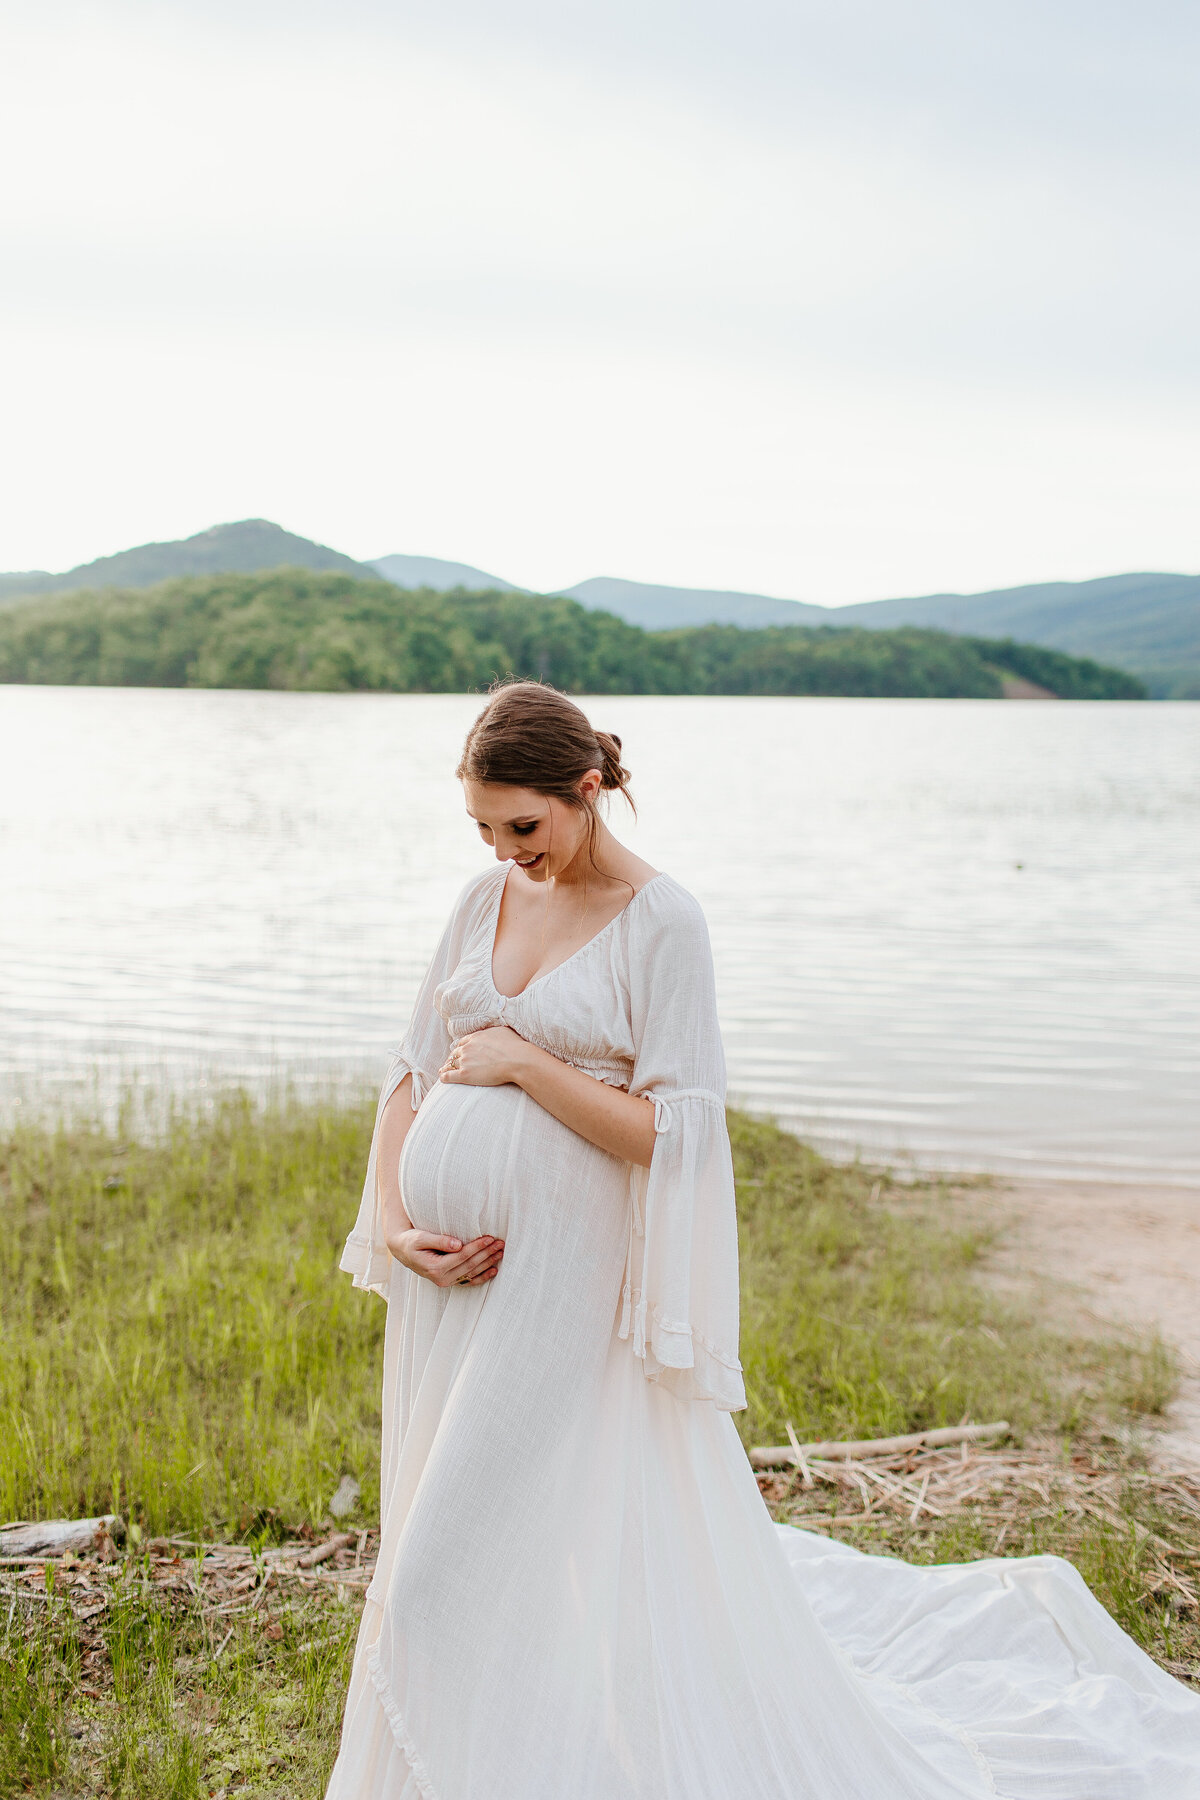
pixel 955 933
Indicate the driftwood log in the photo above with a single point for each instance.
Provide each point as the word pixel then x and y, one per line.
pixel 341 1540
pixel 57 1537
pixel 794 1455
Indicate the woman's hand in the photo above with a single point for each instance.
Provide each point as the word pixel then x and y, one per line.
pixel 621 1123
pixel 447 1261
pixel 488 1058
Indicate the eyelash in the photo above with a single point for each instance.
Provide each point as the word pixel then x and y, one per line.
pixel 521 830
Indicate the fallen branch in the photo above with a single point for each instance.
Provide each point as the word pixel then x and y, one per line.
pixel 919 1502
pixel 341 1540
pixel 801 1463
pixel 58 1537
pixel 779 1456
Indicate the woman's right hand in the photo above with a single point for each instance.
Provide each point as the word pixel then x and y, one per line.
pixel 447 1261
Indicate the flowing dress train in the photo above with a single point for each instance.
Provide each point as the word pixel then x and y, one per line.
pixel 580 1594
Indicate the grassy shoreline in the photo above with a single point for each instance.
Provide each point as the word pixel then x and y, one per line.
pixel 178 1347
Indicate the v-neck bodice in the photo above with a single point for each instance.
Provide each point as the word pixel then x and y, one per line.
pixel 580 1009
pixel 497 908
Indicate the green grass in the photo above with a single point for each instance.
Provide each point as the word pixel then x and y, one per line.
pixel 177 1343
pixel 178 1346
pixel 863 1315
pixel 166 1718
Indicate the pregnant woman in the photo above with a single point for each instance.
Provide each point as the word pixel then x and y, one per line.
pixel 580 1594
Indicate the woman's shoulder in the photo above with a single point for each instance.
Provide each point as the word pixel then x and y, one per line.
pixel 664 904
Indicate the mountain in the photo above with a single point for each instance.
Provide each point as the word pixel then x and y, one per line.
pixel 242 548
pixel 1146 623
pixel 664 608
pixel 432 572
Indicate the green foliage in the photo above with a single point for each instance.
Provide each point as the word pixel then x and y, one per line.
pixel 1172 681
pixel 794 659
pixel 330 632
pixel 1070 677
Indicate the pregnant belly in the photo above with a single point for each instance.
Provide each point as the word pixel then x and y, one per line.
pixel 456 1165
pixel 489 1159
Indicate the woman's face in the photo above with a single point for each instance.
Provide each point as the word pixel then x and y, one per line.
pixel 537 831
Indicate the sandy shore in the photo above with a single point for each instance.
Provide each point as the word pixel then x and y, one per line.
pixel 1126 1254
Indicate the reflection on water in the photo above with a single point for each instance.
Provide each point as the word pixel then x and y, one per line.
pixel 958 931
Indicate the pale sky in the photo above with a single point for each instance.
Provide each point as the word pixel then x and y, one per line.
pixel 833 300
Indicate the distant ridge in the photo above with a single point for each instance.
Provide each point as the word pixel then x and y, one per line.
pixel 662 608
pixel 238 549
pixel 1146 623
pixel 432 572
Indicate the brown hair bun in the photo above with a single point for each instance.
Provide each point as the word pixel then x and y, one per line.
pixel 613 772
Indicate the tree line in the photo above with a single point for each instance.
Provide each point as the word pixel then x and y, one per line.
pixel 308 630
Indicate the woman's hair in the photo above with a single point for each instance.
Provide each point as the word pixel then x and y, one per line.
pixel 531 736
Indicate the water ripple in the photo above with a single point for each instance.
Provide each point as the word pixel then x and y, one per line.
pixel 960 933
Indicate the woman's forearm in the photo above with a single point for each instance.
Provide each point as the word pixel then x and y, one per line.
pixel 621 1123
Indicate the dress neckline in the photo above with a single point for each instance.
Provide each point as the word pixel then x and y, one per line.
pixel 546 973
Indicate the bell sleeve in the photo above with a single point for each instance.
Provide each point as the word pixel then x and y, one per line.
pixel 420 1053
pixel 680 1297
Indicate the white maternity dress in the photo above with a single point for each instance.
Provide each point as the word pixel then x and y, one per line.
pixel 580 1594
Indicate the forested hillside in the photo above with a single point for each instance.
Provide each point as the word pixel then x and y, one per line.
pixel 304 629
pixel 1148 624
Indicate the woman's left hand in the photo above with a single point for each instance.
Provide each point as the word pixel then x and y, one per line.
pixel 487 1058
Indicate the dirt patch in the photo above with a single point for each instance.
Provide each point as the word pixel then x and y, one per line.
pixel 1101 1253
pixel 1017 688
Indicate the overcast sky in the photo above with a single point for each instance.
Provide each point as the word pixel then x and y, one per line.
pixel 835 301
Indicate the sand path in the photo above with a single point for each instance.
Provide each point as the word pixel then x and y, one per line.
pixel 1128 1254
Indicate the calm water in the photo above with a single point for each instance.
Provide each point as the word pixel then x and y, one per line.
pixel 960 932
